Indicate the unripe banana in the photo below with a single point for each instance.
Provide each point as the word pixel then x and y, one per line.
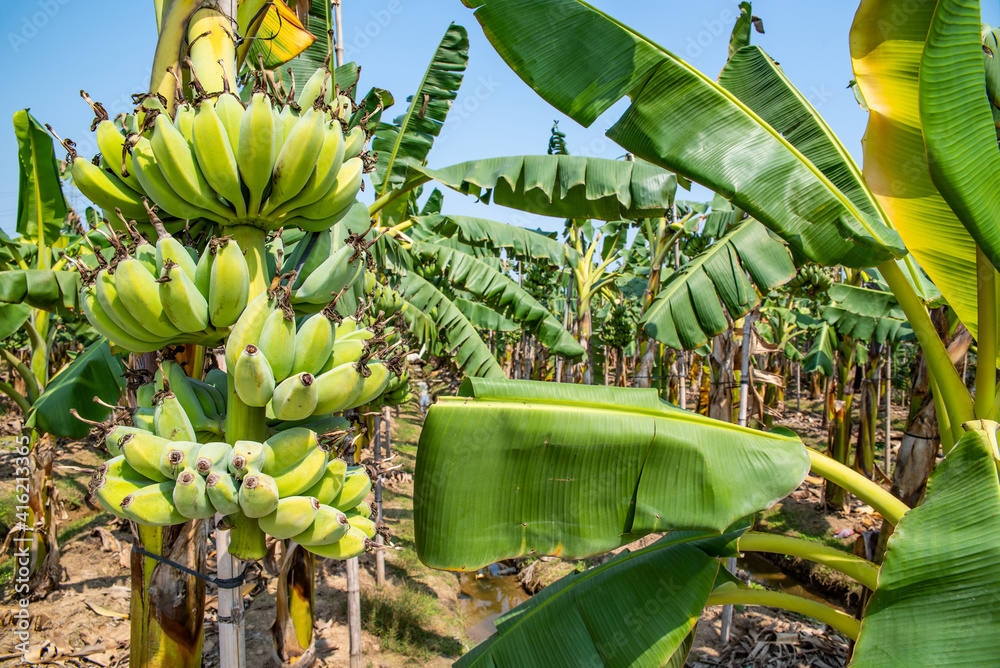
pixel 329 526
pixel 213 402
pixel 248 457
pixel 302 474
pixel 277 343
pixel 340 195
pixel 113 439
pixel 345 351
pixel 295 397
pixel 362 523
pixel 317 85
pixel 293 515
pixel 315 252
pixel 116 480
pixel 230 111
pixel 177 162
pixel 182 302
pixel 179 456
pixel 171 421
pixel 143 418
pixel 346 326
pixel 328 487
pixel 253 378
pixel 114 307
pixel 155 184
pixel 321 224
pixel 216 157
pixel 229 288
pixel 321 180
pixel 287 447
pixel 140 293
pixel 191 496
pixel 313 344
pixel 258 495
pixel 153 505
pixel 111 142
pixel 218 379
pixel 279 134
pixel 213 457
pixel 181 387
pixel 107 327
pixel 356 486
pixel 350 545
pixel 184 122
pixel 337 389
pixel 145 254
pixel 223 492
pixel 247 329
pixel 170 249
pixel 374 384
pixel 298 157
pixel 355 141
pixel 339 270
pixel 257 149
pixel 107 190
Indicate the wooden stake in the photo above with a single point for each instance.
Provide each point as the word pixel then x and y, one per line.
pixel 888 413
pixel 379 554
pixel 232 636
pixel 354 611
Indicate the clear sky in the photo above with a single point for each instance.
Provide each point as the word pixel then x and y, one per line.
pixel 57 47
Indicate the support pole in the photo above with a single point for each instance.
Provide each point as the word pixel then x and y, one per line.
pixel 232 636
pixel 379 554
pixel 354 610
pixel 727 611
pixel 338 23
pixel 798 388
pixel 888 413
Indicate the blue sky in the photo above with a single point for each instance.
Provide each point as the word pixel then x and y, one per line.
pixel 61 46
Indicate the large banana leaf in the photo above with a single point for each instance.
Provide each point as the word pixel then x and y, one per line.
pixel 687 309
pixel 675 110
pixel 502 294
pixel 938 593
pixel 319 22
pixel 406 141
pixel 272 32
pixel 41 207
pixel 459 335
pixel 866 315
pixel 820 355
pixel 518 468
pixel 886 53
pixel 12 317
pixel 518 241
pixel 55 291
pixel 584 618
pixel 957 118
pixel 95 372
pixel 484 317
pixel 564 186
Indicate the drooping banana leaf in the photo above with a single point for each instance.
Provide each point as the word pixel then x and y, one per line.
pixel 95 372
pixel 564 186
pixel 319 22
pixel 722 216
pixel 502 294
pixel 406 141
pixel 820 355
pixel 519 468
pixel 41 206
pixel 937 596
pixel 957 119
pixel 484 317
pixel 687 310
pixel 458 335
pixel 520 242
pixel 12 317
pixel 273 32
pixel 638 609
pixel 583 78
pixel 866 315
pixel 55 291
pixel 886 55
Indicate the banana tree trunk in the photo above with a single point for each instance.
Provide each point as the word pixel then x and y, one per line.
pixel 644 370
pixel 864 453
pixel 39 533
pixel 292 629
pixel 585 334
pixel 720 396
pixel 167 605
pixel 841 421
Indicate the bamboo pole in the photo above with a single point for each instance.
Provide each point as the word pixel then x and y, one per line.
pixel 232 634
pixel 354 611
pixel 379 554
pixel 338 43
pixel 727 610
pixel 888 413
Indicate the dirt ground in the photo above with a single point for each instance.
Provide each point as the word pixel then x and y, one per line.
pixel 424 617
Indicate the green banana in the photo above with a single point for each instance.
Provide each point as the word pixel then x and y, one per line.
pixel 180 385
pixel 374 384
pixel 116 480
pixel 292 516
pixel 107 327
pixel 155 184
pixel 329 526
pixel 339 270
pixel 143 418
pixel 337 389
pixel 302 474
pixel 321 249
pixel 298 157
pixel 182 302
pixel 111 303
pixel 355 141
pixel 153 505
pixel 229 287
pixel 295 397
pixel 140 293
pixel 170 249
pixel 212 401
pixel 350 545
pixel 277 342
pixel 113 439
pixel 217 378
pixel 258 495
pixel 171 421
pixel 362 523
pixel 111 143
pixel 340 195
pixel 216 157
pixel 213 457
pixel 222 492
pixel 177 162
pixel 184 122
pixel 346 326
pixel 345 351
pixel 356 486
pixel 230 111
pixel 248 457
pixel 247 329
pixel 190 496
pixel 179 456
pixel 328 486
pixel 314 88
pixel 321 180
pixel 256 153
pixel 252 378
pixel 313 344
pixel 106 190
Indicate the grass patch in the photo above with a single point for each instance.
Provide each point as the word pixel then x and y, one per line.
pixel 788 522
pixel 401 618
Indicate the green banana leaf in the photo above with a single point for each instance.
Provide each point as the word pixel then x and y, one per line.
pixel 886 54
pixel 722 216
pixel 957 119
pixel 12 317
pixel 583 78
pixel 518 468
pixel 484 317
pixel 820 355
pixel 517 241
pixel 938 594
pixel 275 34
pixel 866 315
pixel 41 207
pixel 639 609
pixel 687 310
pixel 94 372
pixel 448 324
pixel 318 22
pixel 502 294
pixel 406 141
pixel 741 31
pixel 564 186
pixel 55 291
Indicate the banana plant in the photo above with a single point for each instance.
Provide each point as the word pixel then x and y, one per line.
pixel 922 78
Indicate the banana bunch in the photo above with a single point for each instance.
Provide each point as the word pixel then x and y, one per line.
pixel 397 391
pixel 288 483
pixel 811 279
pixel 619 328
pixel 321 270
pixel 383 298
pixel 163 295
pixel 271 163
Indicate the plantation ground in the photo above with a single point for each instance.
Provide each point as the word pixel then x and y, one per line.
pixel 424 617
